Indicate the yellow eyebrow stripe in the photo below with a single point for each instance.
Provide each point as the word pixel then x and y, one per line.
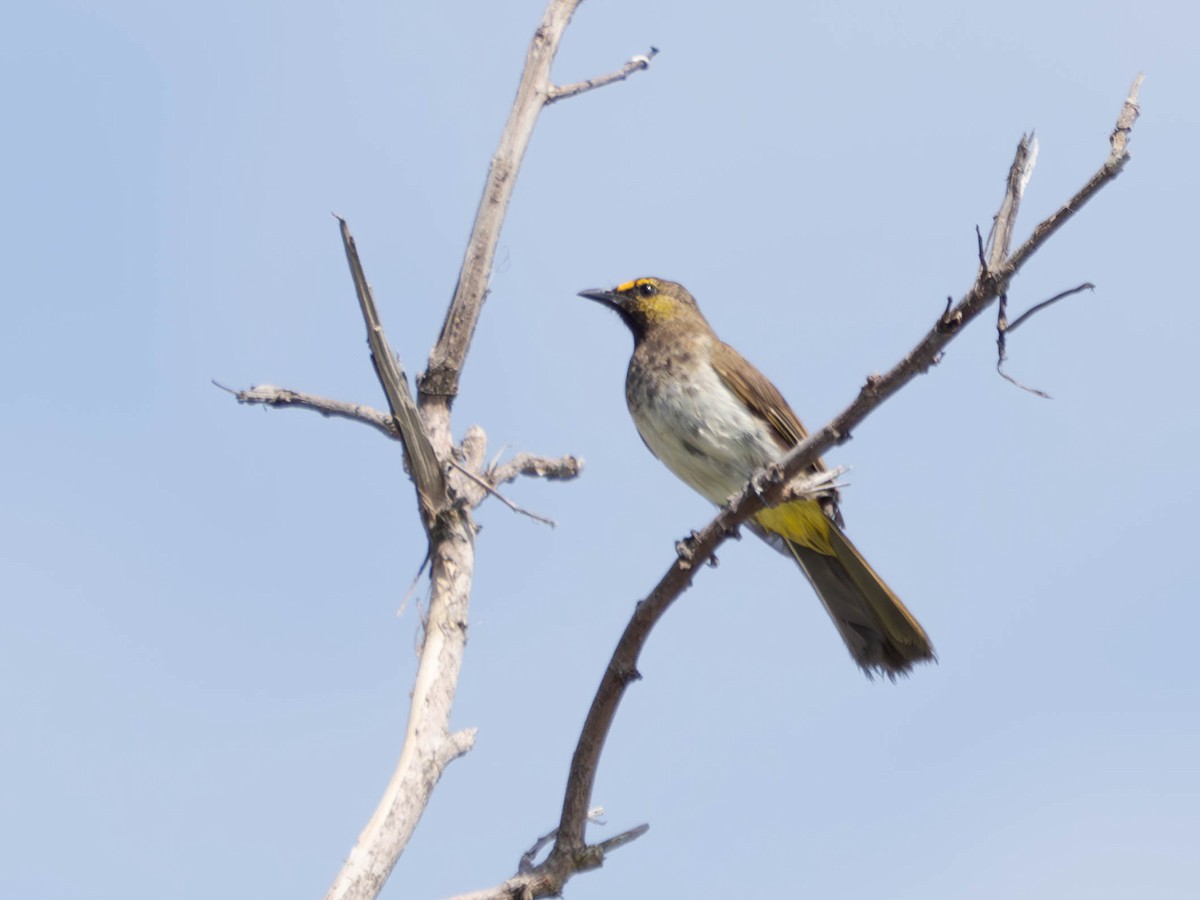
pixel 627 286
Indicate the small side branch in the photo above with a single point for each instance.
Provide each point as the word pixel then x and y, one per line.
pixel 526 864
pixel 636 64
pixel 1038 307
pixel 562 469
pixel 1004 329
pixel 491 489
pixel 1119 139
pixel 1117 158
pixel 1019 173
pixel 270 395
pixel 547 880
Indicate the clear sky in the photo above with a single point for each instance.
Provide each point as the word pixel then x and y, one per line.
pixel 202 674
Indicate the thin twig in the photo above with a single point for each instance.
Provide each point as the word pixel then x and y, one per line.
pixel 270 395
pixel 1037 392
pixel 546 880
pixel 1013 326
pixel 636 64
pixel 525 866
pixel 527 858
pixel 499 496
pixel 620 840
pixel 1004 328
pixel 412 586
pixel 1119 139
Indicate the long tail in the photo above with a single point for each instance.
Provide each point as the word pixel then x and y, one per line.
pixel 880 632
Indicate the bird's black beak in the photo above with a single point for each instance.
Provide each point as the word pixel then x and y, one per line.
pixel 608 298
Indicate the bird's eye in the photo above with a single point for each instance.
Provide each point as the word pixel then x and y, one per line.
pixel 647 289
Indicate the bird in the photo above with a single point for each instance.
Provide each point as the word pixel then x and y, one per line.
pixel 714 420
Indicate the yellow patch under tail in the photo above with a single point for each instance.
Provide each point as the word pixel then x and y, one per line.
pixel 802 522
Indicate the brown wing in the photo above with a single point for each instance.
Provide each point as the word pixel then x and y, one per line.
pixel 757 392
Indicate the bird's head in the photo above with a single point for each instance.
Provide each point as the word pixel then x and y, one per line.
pixel 646 304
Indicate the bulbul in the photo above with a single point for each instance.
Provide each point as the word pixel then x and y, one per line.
pixel 714 420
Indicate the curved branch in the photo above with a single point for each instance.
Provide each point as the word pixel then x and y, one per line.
pixel 771 484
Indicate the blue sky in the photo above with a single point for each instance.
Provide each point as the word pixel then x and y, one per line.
pixel 202 672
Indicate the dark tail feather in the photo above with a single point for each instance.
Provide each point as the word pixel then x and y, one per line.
pixel 882 635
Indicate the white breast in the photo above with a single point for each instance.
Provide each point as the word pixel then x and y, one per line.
pixel 700 429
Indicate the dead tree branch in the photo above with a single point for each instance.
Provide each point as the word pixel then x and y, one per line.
pixel 425 428
pixel 571 850
pixel 636 64
pixel 546 880
pixel 423 462
pixel 270 395
pixel 491 489
pixel 429 745
pixel 439 384
pixel 1038 307
pixel 562 469
pixel 1004 328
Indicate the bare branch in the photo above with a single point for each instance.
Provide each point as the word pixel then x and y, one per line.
pixel 270 395
pixel 439 384
pixel 1119 139
pixel 422 459
pixel 499 496
pixel 426 752
pixel 620 840
pixel 1038 307
pixel 1025 387
pixel 547 880
pixel 1000 237
pixel 1004 328
pixel 428 744
pixel 527 858
pixel 562 469
pixel 636 64
pixel 622 667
